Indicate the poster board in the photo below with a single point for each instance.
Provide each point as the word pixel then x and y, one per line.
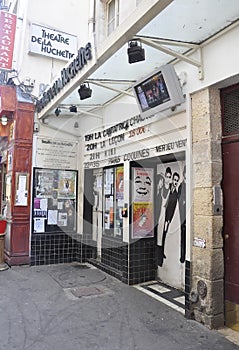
pixel 54 200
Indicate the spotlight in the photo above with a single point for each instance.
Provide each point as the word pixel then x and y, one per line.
pixel 73 109
pixel 4 120
pixel 57 112
pixel 135 52
pixel 84 91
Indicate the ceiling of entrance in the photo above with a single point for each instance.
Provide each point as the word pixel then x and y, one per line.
pixel 186 21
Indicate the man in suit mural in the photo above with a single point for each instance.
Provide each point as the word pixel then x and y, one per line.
pixel 170 207
pixel 170 212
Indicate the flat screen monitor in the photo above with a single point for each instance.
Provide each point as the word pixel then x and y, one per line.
pixel 159 91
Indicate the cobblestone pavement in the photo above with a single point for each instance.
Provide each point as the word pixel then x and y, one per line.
pixel 74 306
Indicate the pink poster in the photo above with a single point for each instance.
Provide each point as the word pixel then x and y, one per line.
pixel 143 218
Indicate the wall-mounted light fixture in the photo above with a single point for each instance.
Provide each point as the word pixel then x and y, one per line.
pixel 135 51
pixel 57 112
pixel 84 91
pixel 73 109
pixel 4 120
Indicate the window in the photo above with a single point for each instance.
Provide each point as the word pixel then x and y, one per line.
pixel 112 15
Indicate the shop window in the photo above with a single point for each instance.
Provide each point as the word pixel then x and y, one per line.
pixel 113 201
pixel 54 200
pixel 112 8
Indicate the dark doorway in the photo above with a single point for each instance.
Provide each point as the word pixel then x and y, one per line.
pixel 230 154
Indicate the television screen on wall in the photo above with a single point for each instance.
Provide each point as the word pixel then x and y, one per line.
pixel 159 91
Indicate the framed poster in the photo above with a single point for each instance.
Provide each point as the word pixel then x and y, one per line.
pixel 142 206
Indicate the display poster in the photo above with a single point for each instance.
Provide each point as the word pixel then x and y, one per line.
pixel 67 184
pixel 108 181
pixel 39 225
pixel 143 218
pixel 143 185
pixel 119 183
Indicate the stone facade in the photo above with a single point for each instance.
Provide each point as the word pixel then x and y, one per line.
pixel 207 300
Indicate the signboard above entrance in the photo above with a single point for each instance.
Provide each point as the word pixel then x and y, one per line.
pixel 52 43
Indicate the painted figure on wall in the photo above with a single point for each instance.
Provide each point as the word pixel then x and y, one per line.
pixel 163 188
pixel 171 211
pixel 170 208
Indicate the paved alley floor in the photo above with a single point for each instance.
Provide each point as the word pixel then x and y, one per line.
pixel 78 307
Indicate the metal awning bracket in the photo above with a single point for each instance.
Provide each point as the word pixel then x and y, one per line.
pixel 159 44
pixel 103 84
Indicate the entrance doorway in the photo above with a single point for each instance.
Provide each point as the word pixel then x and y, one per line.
pixel 230 154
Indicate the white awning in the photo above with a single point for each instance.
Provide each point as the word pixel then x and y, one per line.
pixel 168 31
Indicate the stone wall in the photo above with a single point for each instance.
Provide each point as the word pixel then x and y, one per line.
pixel 207 299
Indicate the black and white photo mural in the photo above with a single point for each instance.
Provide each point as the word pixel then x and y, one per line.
pixel 170 220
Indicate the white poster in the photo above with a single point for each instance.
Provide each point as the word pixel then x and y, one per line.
pixel 143 185
pixel 62 219
pixel 52 217
pixel 39 225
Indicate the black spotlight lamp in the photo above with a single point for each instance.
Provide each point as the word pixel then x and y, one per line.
pixel 57 112
pixel 135 51
pixel 84 91
pixel 73 109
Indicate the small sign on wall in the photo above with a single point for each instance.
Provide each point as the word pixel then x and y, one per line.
pixel 52 43
pixel 21 197
pixel 199 242
pixel 56 153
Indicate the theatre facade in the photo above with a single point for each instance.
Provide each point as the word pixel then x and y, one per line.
pixel 140 177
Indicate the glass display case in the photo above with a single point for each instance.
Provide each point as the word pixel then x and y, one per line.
pixel 113 201
pixel 54 200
